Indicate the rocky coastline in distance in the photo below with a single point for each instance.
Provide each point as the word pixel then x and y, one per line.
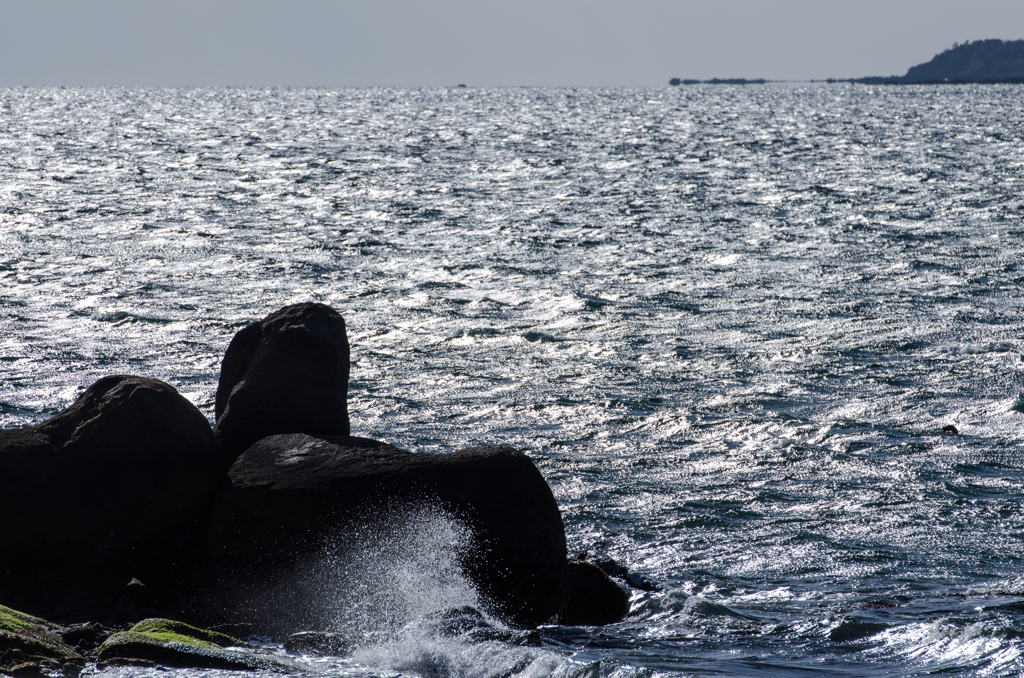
pixel 980 62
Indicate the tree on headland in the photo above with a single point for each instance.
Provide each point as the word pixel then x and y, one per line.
pixel 979 61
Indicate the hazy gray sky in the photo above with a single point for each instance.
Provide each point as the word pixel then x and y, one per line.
pixel 409 43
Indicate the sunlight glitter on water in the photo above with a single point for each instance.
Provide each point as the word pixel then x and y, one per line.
pixel 727 323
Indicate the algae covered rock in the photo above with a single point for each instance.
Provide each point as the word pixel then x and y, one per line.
pixel 176 644
pixel 28 639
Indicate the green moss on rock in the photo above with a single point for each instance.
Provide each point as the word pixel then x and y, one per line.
pixel 180 632
pixel 177 644
pixel 28 644
pixel 26 640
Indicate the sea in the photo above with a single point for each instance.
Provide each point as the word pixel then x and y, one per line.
pixel 729 324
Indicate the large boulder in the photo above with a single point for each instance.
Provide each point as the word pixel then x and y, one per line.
pixel 293 496
pixel 113 485
pixel 287 373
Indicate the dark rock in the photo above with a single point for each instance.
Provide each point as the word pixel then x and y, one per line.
pixel 318 643
pixel 34 647
pixel 287 373
pixel 949 429
pixel 594 599
pixel 616 570
pixel 85 637
pixel 291 494
pixel 113 485
pixel 464 623
pixel 136 602
pixel 243 630
pixel 29 670
pixel 675 82
pixel 119 662
pixel 735 81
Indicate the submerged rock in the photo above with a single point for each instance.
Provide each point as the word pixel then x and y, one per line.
pixel 465 624
pixel 287 373
pixel 111 486
pixel 290 495
pixel 175 644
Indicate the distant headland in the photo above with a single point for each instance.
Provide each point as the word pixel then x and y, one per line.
pixel 981 61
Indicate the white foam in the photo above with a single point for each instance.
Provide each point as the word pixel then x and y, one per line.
pixel 412 570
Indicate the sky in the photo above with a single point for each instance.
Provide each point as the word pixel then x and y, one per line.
pixel 483 43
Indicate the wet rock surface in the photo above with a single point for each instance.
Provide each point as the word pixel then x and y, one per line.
pixel 322 643
pixel 29 644
pixel 85 637
pixel 470 625
pixel 171 643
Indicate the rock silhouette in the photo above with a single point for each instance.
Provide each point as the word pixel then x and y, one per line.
pixel 594 599
pixel 287 373
pixel 107 489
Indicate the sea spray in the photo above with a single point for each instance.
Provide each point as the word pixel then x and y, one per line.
pixel 393 593
pixel 370 577
pixel 396 569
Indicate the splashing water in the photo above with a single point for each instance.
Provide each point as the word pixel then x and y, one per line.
pixel 401 568
pixel 396 592
pixel 373 576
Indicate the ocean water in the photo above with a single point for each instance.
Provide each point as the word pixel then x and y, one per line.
pixel 727 323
